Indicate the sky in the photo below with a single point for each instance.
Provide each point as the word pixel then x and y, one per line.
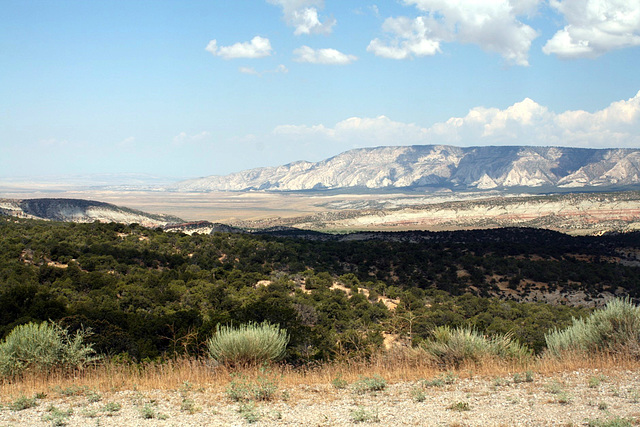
pixel 195 88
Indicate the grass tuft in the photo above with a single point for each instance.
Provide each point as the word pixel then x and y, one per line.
pixel 111 408
pixel 339 383
pixel 613 422
pixel 249 411
pixel 56 416
pixel 459 406
pixel 364 415
pixel 369 384
pixel 453 347
pixel 418 395
pixel 263 388
pixel 527 377
pixel 22 403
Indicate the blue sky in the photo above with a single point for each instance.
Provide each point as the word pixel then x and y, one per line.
pixel 195 88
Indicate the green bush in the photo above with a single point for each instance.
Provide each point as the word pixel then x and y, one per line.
pixel 452 347
pixel 41 347
pixel 339 383
pixel 613 329
pixel 369 384
pixel 22 403
pixel 614 422
pixel 459 406
pixel 263 388
pixel 363 415
pixel 249 344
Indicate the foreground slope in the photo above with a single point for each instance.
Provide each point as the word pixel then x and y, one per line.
pixel 441 166
pixel 489 400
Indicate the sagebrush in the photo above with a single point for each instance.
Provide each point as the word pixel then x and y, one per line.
pixel 43 346
pixel 248 344
pixel 613 329
pixel 453 346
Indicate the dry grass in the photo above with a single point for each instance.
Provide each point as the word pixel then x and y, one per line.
pixel 575 362
pixel 171 375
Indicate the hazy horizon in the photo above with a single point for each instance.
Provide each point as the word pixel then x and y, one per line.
pixel 180 90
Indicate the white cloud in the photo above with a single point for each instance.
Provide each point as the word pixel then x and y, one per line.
pixel 492 25
pixel 523 123
pixel 258 47
pixel 252 71
pixel 529 123
pixel 359 131
pixel 184 138
pixel 303 16
pixel 595 27
pixel 127 142
pixel 303 130
pixel 413 38
pixel 322 56
pixel 248 70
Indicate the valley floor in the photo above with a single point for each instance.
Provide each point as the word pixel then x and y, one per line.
pixel 330 211
pixel 582 397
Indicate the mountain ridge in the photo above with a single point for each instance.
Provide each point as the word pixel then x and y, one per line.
pixel 80 210
pixel 440 166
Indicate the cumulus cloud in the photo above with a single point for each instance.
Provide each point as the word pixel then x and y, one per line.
pixel 303 16
pixel 492 25
pixel 523 123
pixel 594 27
pixel 322 56
pixel 258 47
pixel 412 37
pixel 529 123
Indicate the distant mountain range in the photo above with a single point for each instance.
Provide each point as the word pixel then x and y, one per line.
pixel 440 166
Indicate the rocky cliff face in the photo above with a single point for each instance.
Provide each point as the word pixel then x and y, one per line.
pixel 202 227
pixel 590 213
pixel 77 210
pixel 458 168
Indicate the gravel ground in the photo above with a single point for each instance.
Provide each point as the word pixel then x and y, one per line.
pixel 570 398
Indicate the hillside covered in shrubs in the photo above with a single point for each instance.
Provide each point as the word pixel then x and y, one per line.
pixel 148 294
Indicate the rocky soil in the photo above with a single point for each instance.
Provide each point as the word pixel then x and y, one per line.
pixel 585 397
